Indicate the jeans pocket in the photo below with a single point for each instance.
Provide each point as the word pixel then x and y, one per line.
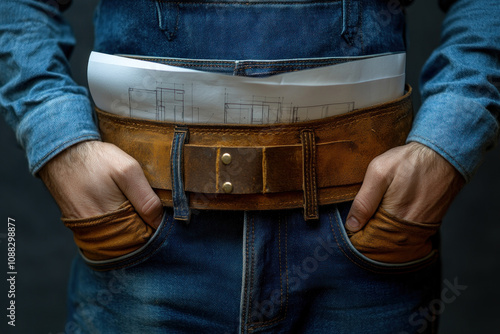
pixel 118 239
pixel 110 235
pixel 386 238
pixel 387 244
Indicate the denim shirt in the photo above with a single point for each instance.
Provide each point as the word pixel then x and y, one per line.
pixel 49 112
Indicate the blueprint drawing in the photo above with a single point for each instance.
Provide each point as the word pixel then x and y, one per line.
pixel 149 90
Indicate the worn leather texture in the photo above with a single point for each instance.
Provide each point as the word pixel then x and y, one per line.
pixel 386 238
pixel 266 168
pixel 111 235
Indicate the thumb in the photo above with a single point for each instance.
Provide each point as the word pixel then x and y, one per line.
pixel 134 185
pixel 368 198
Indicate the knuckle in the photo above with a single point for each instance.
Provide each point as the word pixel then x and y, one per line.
pixel 151 206
pixel 378 169
pixel 361 208
pixel 376 166
pixel 126 167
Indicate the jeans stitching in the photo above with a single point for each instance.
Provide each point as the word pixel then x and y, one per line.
pixel 285 311
pixel 244 312
pixel 303 63
pixel 339 244
pixel 286 68
pixel 247 3
pixel 141 257
pixel 279 260
pixel 252 273
pixel 249 274
pixel 362 263
pixel 360 27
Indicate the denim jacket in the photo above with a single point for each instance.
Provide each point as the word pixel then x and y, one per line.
pixel 49 112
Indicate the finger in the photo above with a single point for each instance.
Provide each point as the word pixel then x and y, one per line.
pixel 132 182
pixel 370 195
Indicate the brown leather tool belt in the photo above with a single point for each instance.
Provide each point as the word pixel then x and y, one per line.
pixel 263 167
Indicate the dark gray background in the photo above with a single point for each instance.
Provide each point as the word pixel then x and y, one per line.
pixel 45 248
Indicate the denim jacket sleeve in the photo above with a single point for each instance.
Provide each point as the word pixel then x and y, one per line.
pixel 46 108
pixel 460 82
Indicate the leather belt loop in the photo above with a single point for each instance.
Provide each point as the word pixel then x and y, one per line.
pixel 309 186
pixel 270 166
pixel 179 198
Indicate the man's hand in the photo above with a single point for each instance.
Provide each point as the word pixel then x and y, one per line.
pixel 92 178
pixel 411 182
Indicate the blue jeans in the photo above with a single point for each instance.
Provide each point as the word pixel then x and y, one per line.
pixel 253 271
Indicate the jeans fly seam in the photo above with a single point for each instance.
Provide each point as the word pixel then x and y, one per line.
pixel 279 260
pixel 286 267
pixel 252 273
pixel 249 275
pixel 285 311
pixel 244 307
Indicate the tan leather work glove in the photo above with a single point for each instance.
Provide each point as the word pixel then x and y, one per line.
pixel 405 195
pixel 104 198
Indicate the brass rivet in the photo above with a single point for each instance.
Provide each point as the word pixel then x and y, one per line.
pixel 227 187
pixel 226 158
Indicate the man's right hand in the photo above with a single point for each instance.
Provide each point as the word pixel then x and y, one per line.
pixel 93 178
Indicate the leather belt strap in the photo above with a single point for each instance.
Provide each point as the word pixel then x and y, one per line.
pixel 263 167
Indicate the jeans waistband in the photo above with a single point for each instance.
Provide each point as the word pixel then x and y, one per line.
pixel 251 67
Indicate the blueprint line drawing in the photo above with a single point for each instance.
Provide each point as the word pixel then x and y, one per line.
pixel 161 101
pixel 302 113
pixel 165 102
pixel 148 90
pixel 168 102
pixel 255 110
pixel 266 110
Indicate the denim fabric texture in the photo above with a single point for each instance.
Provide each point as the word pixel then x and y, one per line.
pixel 252 272
pixel 48 111
pixel 459 84
pixel 460 87
pixel 255 271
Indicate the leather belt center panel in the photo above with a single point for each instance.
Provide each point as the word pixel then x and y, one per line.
pixel 260 167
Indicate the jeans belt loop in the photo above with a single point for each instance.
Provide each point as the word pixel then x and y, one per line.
pixel 350 18
pixel 334 167
pixel 168 18
pixel 309 186
pixel 179 197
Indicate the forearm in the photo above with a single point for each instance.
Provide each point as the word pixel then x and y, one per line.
pixel 46 108
pixel 461 102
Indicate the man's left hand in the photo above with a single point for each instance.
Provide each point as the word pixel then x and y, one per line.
pixel 411 182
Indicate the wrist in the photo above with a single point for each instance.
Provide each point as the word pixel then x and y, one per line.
pixel 68 158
